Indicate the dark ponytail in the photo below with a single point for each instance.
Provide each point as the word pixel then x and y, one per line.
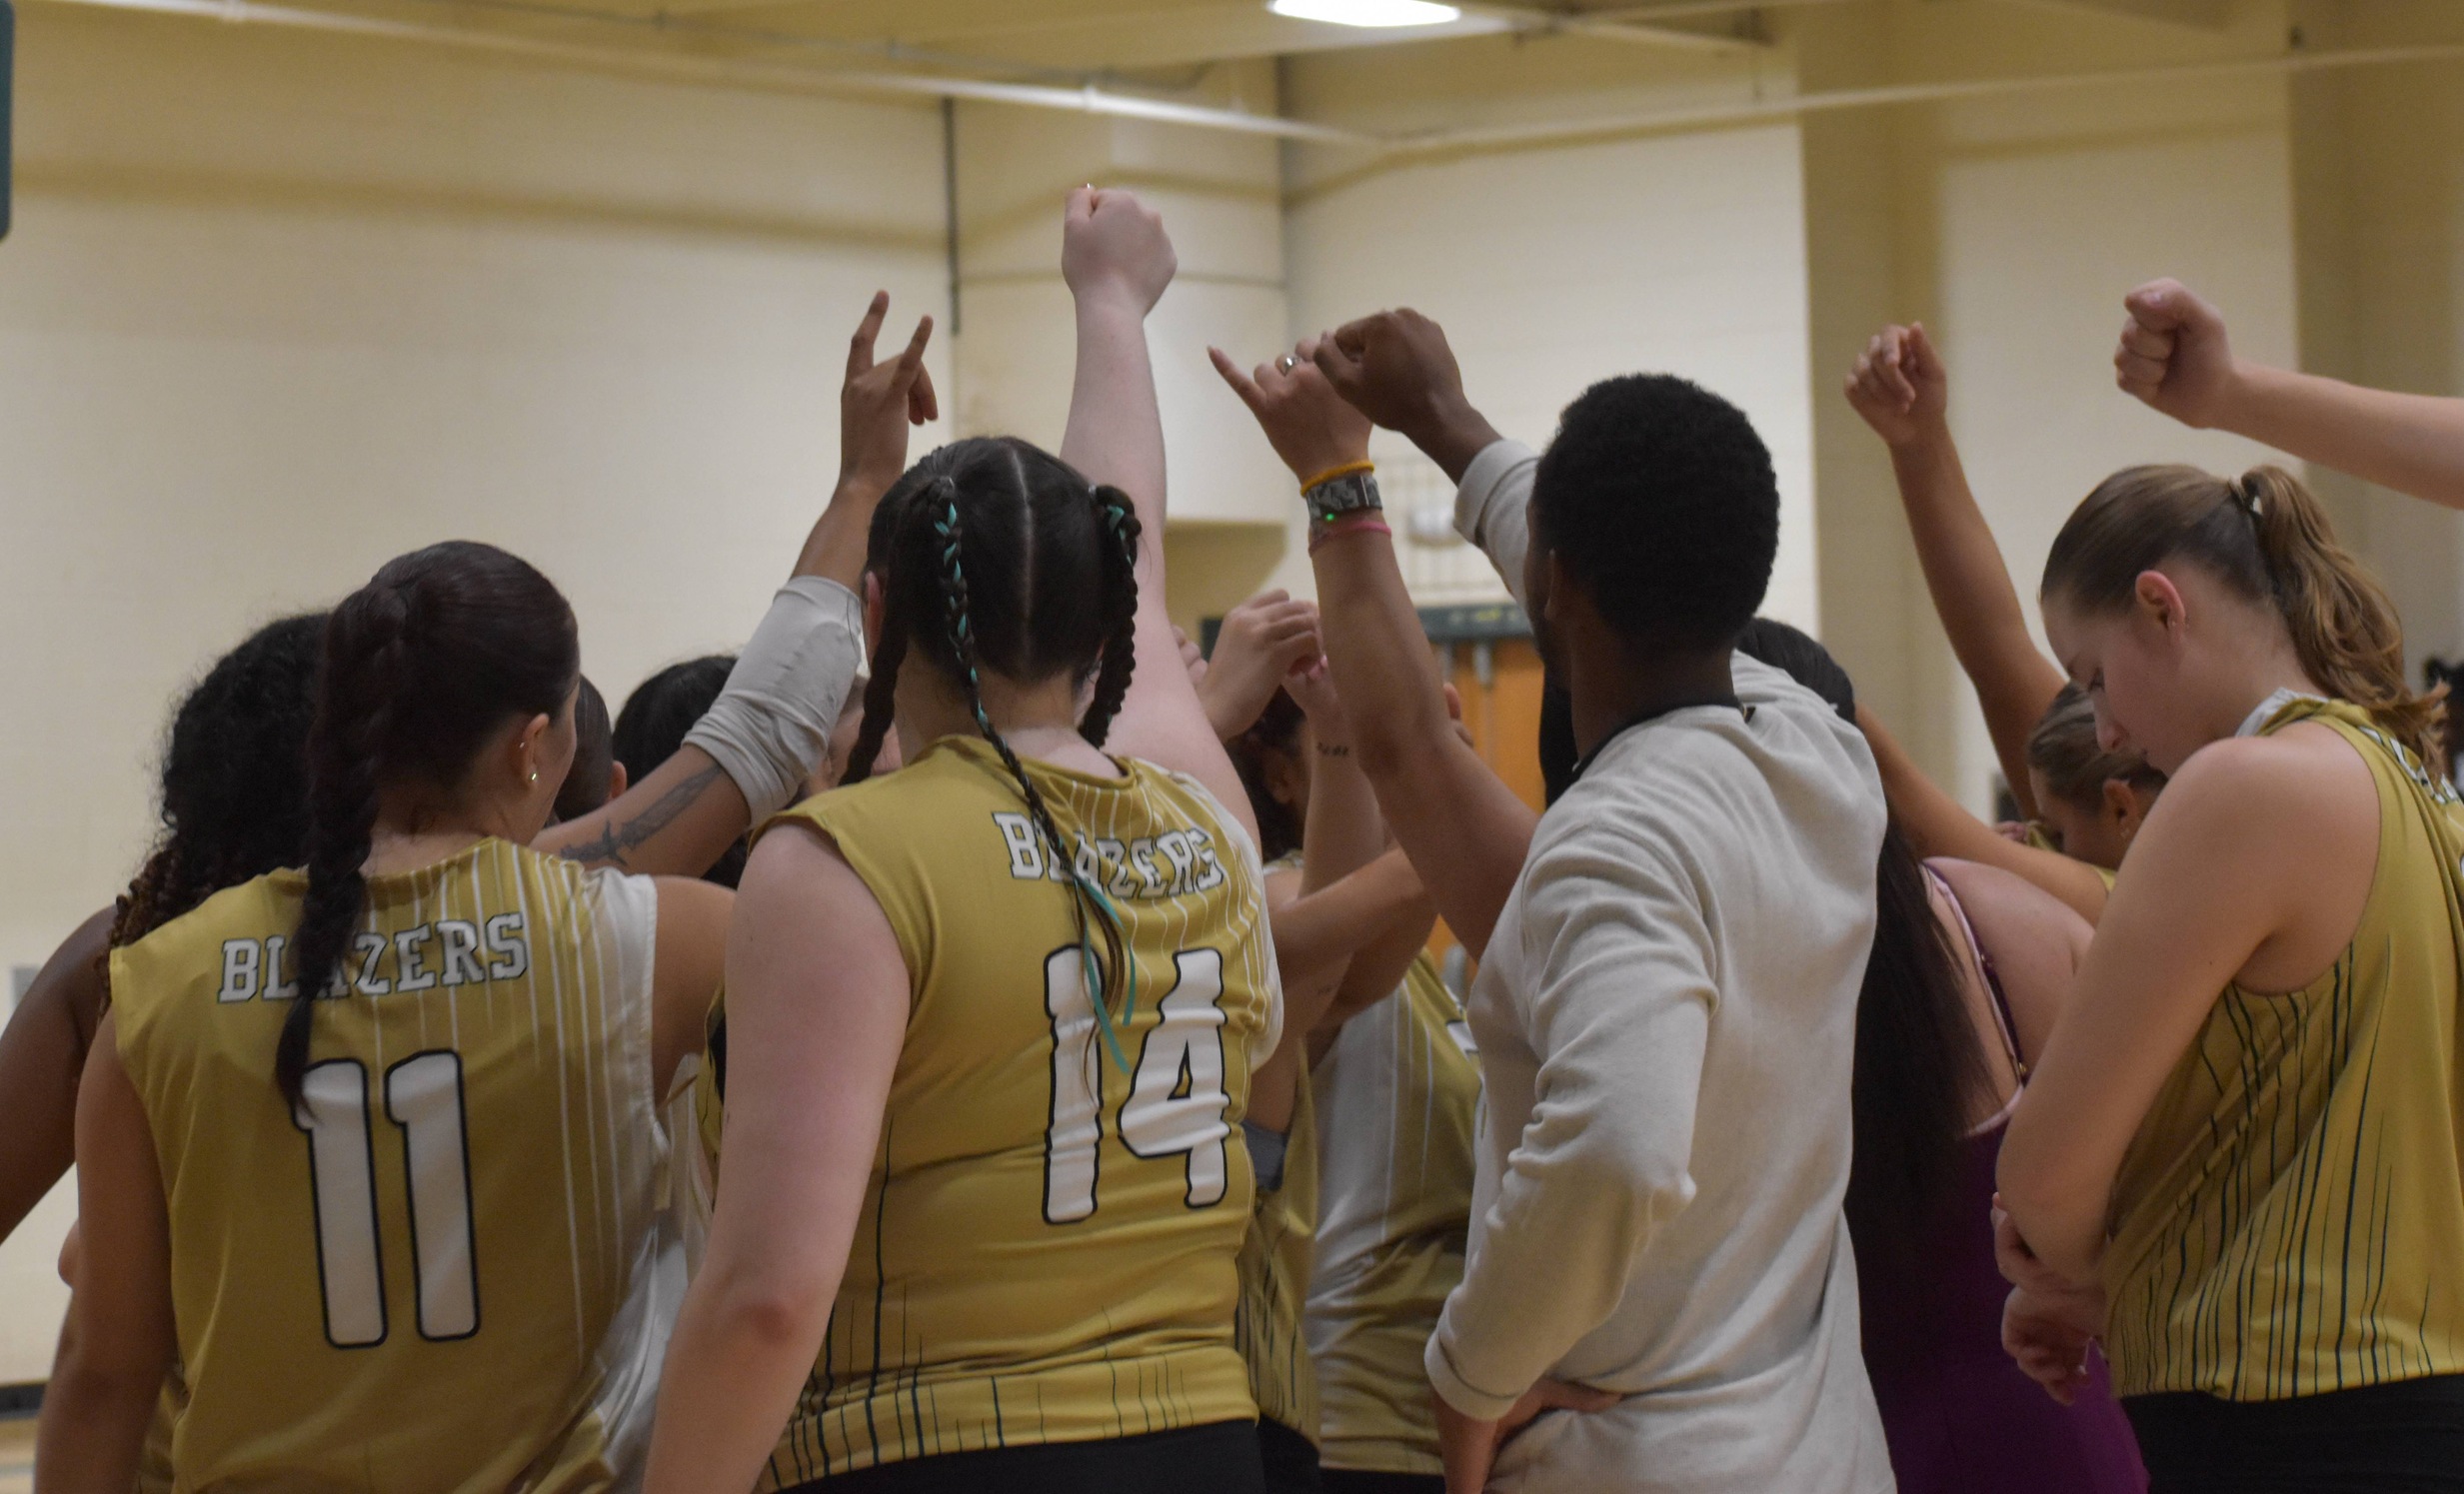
pixel 1033 571
pixel 2268 539
pixel 1918 1067
pixel 421 666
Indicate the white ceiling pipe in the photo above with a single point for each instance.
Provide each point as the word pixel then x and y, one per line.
pixel 1096 101
pixel 1714 116
pixel 1087 100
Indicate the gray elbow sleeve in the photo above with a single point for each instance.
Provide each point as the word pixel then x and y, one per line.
pixel 771 726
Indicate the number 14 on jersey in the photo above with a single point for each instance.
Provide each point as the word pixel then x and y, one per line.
pixel 1177 1103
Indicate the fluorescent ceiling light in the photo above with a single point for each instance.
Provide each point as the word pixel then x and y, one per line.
pixel 1368 12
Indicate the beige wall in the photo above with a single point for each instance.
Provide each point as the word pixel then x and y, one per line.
pixel 276 307
pixel 1552 267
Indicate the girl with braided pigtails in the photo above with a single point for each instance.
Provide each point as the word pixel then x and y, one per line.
pixel 992 1017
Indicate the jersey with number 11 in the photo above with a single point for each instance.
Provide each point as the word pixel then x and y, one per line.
pixel 1046 1252
pixel 437 1272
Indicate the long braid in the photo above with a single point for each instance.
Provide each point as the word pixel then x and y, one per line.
pixel 364 652
pixel 1087 898
pixel 1120 526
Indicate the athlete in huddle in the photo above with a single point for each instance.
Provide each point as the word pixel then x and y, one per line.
pixel 374 1146
pixel 992 1017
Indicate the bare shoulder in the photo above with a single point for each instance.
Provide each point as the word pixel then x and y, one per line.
pixel 2009 913
pixel 2304 785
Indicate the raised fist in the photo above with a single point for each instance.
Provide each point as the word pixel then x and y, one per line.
pixel 2174 355
pixel 1901 387
pixel 1114 245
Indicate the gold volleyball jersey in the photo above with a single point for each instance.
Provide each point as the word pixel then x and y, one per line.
pixel 1046 1248
pixel 1274 1280
pixel 439 1271
pixel 1400 1093
pixel 2291 1212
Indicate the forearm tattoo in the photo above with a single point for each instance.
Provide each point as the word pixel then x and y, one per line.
pixel 620 837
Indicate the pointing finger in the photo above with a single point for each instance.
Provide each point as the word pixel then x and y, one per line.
pixel 860 346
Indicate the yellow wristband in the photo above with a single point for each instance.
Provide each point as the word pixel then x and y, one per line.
pixel 1331 473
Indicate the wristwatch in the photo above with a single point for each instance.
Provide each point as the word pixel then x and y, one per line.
pixel 1352 493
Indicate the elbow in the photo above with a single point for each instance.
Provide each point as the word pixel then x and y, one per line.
pixel 2044 1208
pixel 1634 1190
pixel 1390 749
pixel 784 1312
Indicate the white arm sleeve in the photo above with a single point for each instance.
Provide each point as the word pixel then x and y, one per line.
pixel 771 726
pixel 1491 508
pixel 1619 1018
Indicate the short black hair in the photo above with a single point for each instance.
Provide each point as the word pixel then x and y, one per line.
pixel 652 727
pixel 1658 500
pixel 663 709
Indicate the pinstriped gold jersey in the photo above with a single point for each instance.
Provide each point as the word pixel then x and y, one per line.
pixel 2291 1212
pixel 437 1272
pixel 1274 1281
pixel 1046 1248
pixel 1400 1092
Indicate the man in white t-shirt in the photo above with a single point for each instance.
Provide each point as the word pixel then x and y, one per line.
pixel 1659 1293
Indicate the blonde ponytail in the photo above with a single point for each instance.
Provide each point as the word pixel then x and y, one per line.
pixel 2344 629
pixel 2266 538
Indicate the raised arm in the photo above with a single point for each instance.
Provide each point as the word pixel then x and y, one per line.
pixel 1119 261
pixel 1937 825
pixel 2175 355
pixel 1459 823
pixel 41 1054
pixel 753 753
pixel 1902 389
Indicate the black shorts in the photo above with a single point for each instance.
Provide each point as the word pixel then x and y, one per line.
pixel 2404 1437
pixel 1219 1458
pixel 1291 1459
pixel 1363 1481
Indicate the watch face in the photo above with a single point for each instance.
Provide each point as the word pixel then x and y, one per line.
pixel 1345 495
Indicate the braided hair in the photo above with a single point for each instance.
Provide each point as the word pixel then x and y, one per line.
pixel 422 665
pixel 234 806
pixel 1034 573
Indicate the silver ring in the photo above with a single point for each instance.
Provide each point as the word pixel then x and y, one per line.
pixel 1285 364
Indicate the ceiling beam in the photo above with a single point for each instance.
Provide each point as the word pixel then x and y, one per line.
pixel 2200 15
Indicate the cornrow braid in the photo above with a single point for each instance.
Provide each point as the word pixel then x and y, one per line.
pixel 1121 628
pixel 881 694
pixel 1089 907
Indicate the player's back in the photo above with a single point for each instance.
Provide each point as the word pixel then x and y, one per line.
pixel 438 1273
pixel 1046 1251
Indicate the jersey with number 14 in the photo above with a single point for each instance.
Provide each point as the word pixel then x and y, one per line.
pixel 1046 1252
pixel 439 1271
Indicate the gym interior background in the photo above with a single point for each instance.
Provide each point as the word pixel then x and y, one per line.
pixel 291 287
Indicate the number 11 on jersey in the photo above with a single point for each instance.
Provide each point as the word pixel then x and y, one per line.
pixel 1176 1102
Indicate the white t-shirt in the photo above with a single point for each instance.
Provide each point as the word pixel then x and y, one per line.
pixel 1665 1015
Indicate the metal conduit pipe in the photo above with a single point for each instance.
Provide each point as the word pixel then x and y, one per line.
pixel 1409 142
pixel 767 76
